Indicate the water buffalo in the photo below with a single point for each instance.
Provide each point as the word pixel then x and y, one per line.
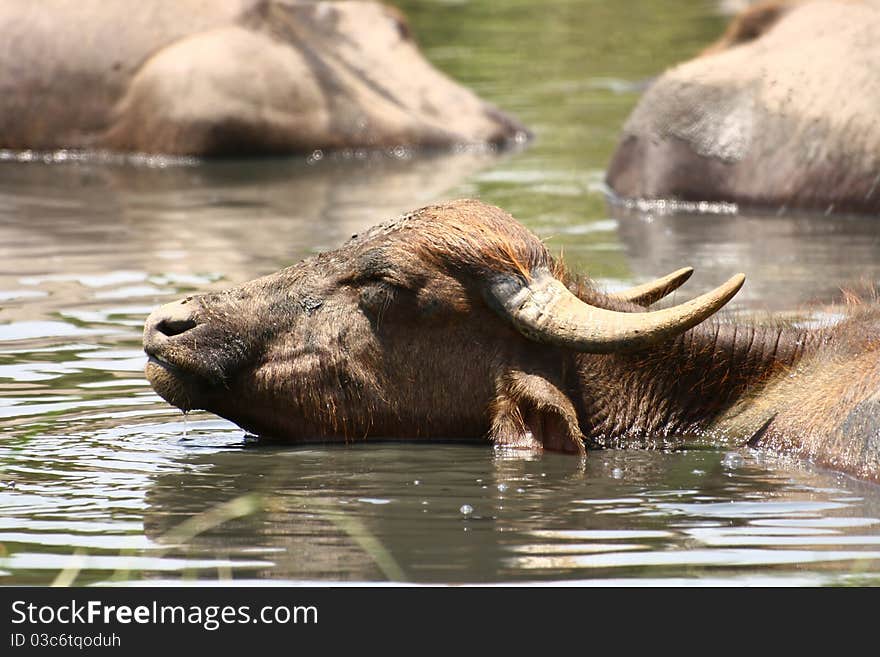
pixel 780 112
pixel 226 77
pixel 455 321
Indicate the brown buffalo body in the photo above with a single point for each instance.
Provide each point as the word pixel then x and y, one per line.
pixel 780 112
pixel 226 77
pixel 395 336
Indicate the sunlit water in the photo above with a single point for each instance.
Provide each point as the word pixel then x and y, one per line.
pixel 101 481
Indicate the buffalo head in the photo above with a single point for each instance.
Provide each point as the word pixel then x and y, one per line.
pixel 450 322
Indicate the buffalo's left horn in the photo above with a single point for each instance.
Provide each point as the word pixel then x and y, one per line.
pixel 543 309
pixel 653 291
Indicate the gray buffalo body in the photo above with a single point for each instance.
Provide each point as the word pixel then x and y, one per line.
pixel 787 114
pixel 226 77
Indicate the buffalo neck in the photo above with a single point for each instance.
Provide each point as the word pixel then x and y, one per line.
pixel 680 389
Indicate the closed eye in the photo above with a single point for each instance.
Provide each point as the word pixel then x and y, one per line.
pixel 375 298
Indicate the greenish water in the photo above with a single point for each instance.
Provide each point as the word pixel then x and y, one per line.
pixel 101 481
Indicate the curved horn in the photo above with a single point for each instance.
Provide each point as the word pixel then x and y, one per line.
pixel 546 311
pixel 653 291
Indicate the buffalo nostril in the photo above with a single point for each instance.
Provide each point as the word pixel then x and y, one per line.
pixel 172 327
pixel 170 320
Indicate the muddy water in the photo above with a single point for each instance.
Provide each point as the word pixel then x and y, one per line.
pixel 101 481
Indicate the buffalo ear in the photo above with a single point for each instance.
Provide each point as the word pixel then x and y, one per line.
pixel 530 412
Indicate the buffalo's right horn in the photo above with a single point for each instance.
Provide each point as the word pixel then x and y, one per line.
pixel 544 309
pixel 652 291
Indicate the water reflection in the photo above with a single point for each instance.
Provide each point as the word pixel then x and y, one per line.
pixel 790 260
pixel 228 219
pixel 363 513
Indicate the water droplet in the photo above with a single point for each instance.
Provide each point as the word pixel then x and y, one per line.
pixel 698 472
pixel 732 460
pixel 502 488
pixel 416 482
pixel 520 490
pixel 617 473
pixel 466 509
pixel 373 500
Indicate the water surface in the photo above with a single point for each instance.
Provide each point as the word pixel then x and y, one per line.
pixel 101 481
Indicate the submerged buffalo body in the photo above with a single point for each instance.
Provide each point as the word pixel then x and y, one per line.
pixel 780 112
pixel 226 77
pixel 455 322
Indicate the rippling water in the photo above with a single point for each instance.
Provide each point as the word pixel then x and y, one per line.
pixel 101 481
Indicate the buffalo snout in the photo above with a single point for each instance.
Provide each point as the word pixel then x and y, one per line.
pixel 168 321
